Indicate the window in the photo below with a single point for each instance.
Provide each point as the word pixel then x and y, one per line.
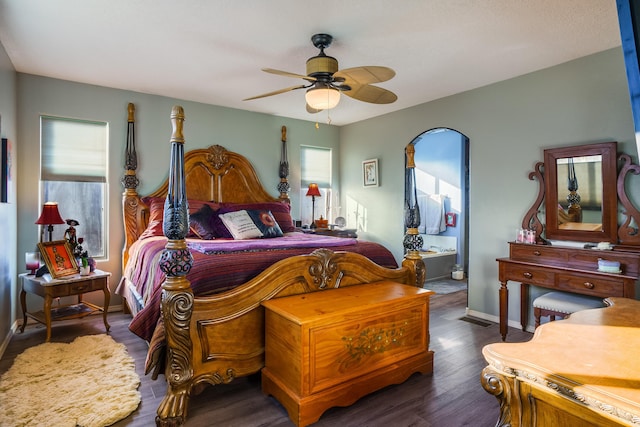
pixel 315 166
pixel 73 172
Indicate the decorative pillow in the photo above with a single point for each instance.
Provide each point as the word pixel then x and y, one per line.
pixel 281 212
pixel 240 225
pixel 266 223
pixel 200 223
pixel 156 214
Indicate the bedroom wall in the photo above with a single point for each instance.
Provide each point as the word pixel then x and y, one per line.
pixel 8 211
pixel 508 125
pixel 256 136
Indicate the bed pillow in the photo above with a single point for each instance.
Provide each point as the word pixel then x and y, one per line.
pixel 156 214
pixel 240 225
pixel 266 223
pixel 200 223
pixel 280 211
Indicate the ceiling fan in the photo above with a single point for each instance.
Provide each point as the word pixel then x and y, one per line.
pixel 325 82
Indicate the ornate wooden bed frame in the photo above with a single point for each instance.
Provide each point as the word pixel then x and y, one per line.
pixel 213 339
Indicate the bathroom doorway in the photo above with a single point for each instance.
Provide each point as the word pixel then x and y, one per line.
pixel 442 183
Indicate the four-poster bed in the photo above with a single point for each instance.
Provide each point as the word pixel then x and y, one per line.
pixel 198 301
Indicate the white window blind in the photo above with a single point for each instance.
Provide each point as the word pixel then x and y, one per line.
pixel 73 150
pixel 315 166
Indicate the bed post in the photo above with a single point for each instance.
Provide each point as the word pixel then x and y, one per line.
pixel 283 185
pixel 177 295
pixel 130 199
pixel 412 239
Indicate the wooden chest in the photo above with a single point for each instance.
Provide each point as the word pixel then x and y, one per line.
pixel 329 348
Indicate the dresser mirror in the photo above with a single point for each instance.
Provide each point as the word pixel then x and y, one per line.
pixel 580 193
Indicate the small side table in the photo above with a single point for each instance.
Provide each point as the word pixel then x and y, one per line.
pixel 64 287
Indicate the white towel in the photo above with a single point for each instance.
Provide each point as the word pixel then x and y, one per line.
pixel 422 206
pixel 434 216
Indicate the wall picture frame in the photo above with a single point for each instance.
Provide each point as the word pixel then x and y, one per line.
pixel 370 173
pixel 58 257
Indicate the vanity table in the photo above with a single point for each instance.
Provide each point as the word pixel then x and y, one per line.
pixel 563 269
pixel 582 188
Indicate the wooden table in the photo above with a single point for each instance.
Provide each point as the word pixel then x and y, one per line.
pixel 64 287
pixel 582 371
pixel 330 348
pixel 563 269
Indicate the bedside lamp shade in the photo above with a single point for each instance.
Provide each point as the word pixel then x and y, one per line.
pixel 314 192
pixel 49 216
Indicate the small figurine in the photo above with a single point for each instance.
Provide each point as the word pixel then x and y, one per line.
pixel 70 233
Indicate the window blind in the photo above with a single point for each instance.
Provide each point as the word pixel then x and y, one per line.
pixel 315 165
pixel 73 150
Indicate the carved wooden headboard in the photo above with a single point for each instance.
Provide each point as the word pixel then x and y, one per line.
pixel 211 174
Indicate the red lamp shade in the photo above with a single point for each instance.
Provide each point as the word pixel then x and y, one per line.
pixel 313 190
pixel 50 214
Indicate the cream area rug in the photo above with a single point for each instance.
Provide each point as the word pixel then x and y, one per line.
pixel 90 382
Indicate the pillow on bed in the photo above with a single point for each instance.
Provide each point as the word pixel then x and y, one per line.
pixel 240 225
pixel 156 214
pixel 280 211
pixel 200 223
pixel 266 223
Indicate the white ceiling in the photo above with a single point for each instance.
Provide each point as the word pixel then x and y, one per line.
pixel 212 51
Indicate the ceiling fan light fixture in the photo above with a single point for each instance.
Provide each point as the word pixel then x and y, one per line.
pixel 322 98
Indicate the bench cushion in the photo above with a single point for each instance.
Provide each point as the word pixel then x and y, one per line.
pixel 568 303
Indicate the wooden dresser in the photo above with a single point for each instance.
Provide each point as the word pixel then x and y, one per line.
pixel 581 371
pixel 564 269
pixel 330 348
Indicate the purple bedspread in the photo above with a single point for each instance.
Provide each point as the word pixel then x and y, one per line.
pixel 219 265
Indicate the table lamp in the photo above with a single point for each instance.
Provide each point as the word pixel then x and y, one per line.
pixel 49 216
pixel 314 192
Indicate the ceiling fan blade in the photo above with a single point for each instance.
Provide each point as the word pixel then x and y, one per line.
pixel 288 74
pixel 372 94
pixel 275 92
pixel 312 110
pixel 365 75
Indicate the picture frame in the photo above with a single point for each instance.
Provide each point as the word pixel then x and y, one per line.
pixel 451 219
pixel 370 173
pixel 58 257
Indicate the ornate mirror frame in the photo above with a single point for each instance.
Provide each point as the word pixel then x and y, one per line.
pixel 609 220
pixel 621 230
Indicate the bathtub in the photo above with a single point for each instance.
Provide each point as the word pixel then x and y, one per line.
pixel 438 264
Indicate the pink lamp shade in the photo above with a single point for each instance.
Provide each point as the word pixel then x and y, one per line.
pixel 49 216
pixel 313 190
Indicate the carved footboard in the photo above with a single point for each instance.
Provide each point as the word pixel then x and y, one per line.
pixel 216 339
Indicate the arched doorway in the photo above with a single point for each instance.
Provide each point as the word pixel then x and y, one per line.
pixel 442 184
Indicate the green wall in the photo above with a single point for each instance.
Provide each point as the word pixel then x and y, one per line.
pixel 8 211
pixel 508 124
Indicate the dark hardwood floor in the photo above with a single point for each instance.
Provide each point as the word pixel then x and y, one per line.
pixel 451 397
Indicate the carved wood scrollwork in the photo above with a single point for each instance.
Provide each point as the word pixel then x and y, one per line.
pixel 627 235
pixel 217 156
pixel 323 271
pixel 497 385
pixel 531 220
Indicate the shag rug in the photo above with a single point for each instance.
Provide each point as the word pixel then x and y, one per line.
pixel 90 382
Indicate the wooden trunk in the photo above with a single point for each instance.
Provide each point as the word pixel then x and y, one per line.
pixel 330 348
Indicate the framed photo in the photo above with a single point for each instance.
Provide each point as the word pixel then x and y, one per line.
pixel 58 258
pixel 451 219
pixel 370 173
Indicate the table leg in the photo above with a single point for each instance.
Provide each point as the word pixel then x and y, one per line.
pixel 47 315
pixel 105 308
pixel 23 303
pixel 504 309
pixel 524 305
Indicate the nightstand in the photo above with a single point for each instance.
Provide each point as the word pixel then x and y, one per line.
pixel 64 287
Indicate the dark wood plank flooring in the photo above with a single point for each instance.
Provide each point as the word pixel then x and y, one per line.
pixel 451 397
